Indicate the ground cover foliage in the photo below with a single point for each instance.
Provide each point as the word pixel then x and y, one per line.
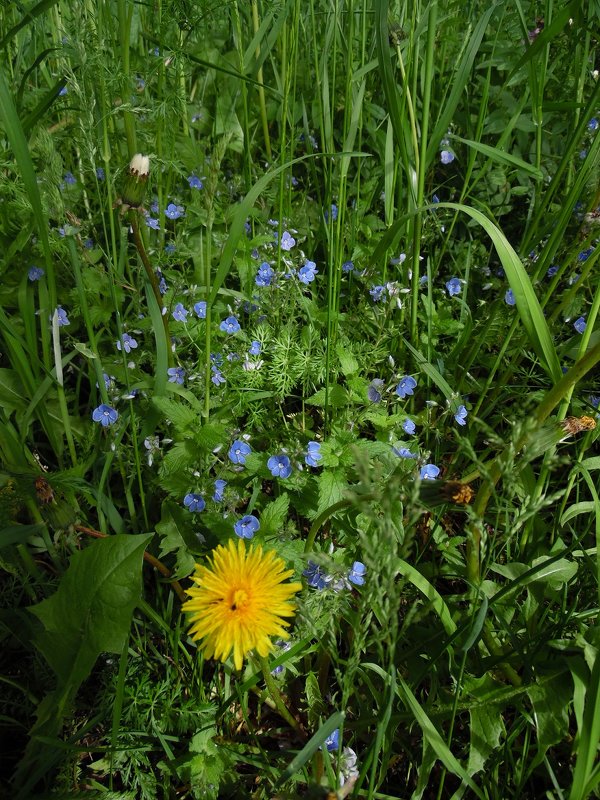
pixel 320 276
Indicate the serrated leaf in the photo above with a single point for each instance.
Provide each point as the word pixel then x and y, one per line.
pixel 210 436
pixel 179 458
pixel 172 541
pixel 207 766
pixel 274 515
pixel 90 612
pixel 332 486
pixel 180 414
pixel 337 397
pixel 348 362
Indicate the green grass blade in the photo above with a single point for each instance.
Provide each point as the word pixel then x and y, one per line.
pixel 461 78
pixel 500 156
pixel 434 738
pixel 527 303
pixel 28 17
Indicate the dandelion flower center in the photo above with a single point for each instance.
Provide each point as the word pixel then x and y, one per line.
pixel 239 602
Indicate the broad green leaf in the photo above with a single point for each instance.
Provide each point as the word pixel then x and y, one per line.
pixel 550 701
pixel 90 612
pixel 487 729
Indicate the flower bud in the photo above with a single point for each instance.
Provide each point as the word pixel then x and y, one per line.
pixel 135 182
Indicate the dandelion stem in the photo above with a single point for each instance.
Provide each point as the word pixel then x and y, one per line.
pixel 276 695
pixel 137 238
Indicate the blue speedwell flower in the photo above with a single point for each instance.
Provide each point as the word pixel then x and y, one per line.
pixel 347 266
pixel 174 212
pixel 35 273
pixel 176 375
pixel 408 426
pixel 230 325
pixel 406 386
pixel 313 456
pixel 265 275
pixel 246 527
pixel 580 325
pixel 357 573
pixel 109 381
pixel 446 156
pixel 287 241
pixel 374 390
pixel 69 178
pixel 332 742
pixel 429 472
pixel 217 376
pixel 152 222
pixel 219 489
pixel 238 452
pixel 280 466
pixel 255 348
pixel 200 309
pixel 461 415
pixel 453 287
pixel 180 313
pixel 308 272
pixel 127 343
pixel 105 415
pixel 194 502
pixel 377 293
pixel 195 182
pixel 509 298
pixel 61 317
pixel 403 452
pixel 316 576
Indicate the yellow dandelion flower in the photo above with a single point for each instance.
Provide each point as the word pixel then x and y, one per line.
pixel 239 602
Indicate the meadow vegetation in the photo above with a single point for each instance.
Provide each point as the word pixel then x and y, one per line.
pixel 299 391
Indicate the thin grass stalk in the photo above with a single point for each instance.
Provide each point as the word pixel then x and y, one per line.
pixel 261 91
pixel 124 15
pixel 421 167
pixel 244 93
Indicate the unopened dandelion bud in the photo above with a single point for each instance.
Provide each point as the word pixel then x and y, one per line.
pixel 135 182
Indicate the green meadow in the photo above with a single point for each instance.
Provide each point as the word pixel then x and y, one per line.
pixel 299 393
